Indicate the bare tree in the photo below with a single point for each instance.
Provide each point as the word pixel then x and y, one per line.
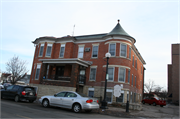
pixel 158 89
pixel 149 86
pixel 17 68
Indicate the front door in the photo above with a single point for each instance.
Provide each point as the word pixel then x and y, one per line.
pixel 59 72
pixel 82 76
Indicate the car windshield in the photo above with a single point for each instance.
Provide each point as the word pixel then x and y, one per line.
pixel 82 95
pixel 156 98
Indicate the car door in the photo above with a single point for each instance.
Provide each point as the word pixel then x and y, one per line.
pixel 8 92
pixel 56 100
pixel 69 99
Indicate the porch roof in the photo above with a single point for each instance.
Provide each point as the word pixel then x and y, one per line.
pixel 67 61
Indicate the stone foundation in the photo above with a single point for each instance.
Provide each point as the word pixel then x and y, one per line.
pixel 50 90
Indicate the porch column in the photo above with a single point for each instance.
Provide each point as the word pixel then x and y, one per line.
pixel 74 75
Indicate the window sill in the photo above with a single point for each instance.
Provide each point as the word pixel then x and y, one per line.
pixel 91 81
pixel 48 56
pixel 94 57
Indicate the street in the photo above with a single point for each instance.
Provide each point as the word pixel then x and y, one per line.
pixel 11 109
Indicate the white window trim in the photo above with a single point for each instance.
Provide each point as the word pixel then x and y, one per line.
pixel 109 49
pixel 113 75
pixel 78 51
pixel 92 50
pixel 38 66
pixel 95 67
pixel 40 50
pixel 47 49
pixel 90 89
pixel 120 50
pixel 62 45
pixel 124 75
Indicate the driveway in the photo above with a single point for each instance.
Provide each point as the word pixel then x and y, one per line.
pixel 168 111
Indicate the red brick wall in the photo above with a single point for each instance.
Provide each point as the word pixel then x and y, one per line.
pixel 71 51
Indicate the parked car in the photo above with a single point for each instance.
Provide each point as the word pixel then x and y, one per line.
pixel 1 86
pixel 155 101
pixel 70 100
pixel 6 84
pixel 19 93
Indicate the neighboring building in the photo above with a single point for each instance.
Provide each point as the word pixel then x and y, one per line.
pixel 26 79
pixel 78 63
pixel 5 77
pixel 173 75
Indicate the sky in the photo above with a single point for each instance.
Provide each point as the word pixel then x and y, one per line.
pixel 153 23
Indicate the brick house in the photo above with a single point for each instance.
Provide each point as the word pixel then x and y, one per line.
pixel 173 75
pixel 78 63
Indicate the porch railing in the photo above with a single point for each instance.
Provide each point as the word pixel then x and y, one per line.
pixel 56 77
pixel 82 79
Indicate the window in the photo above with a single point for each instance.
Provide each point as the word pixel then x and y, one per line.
pixel 122 74
pixel 15 88
pixel 129 52
pixel 135 81
pixel 129 76
pixel 134 97
pixel 123 50
pixel 141 69
pixel 48 51
pixel 121 98
pixel 34 71
pixel 9 87
pixel 37 71
pixel 41 50
pixel 133 61
pixel 80 51
pixel 109 95
pixel 111 74
pixel 95 51
pixel 127 95
pixel 69 94
pixel 62 94
pixel 93 74
pixel 62 50
pixel 132 80
pixel 136 64
pixel 112 49
pixel 91 92
pixel 131 98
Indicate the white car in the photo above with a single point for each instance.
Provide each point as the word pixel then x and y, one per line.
pixel 70 100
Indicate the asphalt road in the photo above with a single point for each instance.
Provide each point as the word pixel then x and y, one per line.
pixel 11 109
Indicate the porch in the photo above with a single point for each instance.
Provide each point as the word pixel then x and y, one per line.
pixel 63 72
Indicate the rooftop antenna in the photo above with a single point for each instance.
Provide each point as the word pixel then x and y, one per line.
pixel 73 30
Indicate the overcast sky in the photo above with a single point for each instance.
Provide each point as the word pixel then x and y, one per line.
pixel 154 25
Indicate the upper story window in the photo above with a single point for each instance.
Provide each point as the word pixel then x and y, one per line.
pixel 129 52
pixel 112 49
pixel 95 51
pixel 135 81
pixel 133 61
pixel 136 64
pixel 123 50
pixel 62 50
pixel 132 80
pixel 80 51
pixel 141 69
pixel 122 74
pixel 129 76
pixel 41 50
pixel 37 48
pixel 111 74
pixel 93 74
pixel 49 49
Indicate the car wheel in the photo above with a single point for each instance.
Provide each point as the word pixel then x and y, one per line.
pixel 31 101
pixel 161 105
pixel 76 108
pixel 45 103
pixel 88 110
pixel 149 104
pixel 143 102
pixel 16 99
pixel 154 104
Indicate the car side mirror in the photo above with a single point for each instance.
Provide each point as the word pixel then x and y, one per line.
pixel 55 95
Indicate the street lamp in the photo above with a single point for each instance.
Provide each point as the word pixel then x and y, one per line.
pixel 104 103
